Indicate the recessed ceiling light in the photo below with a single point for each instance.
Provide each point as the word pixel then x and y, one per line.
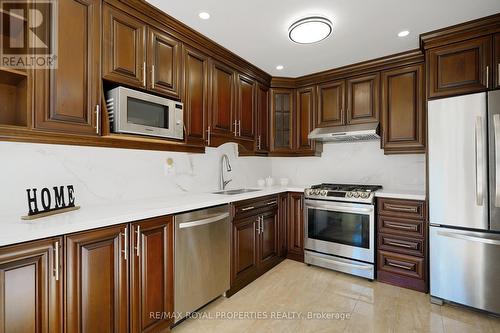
pixel 204 15
pixel 403 33
pixel 310 30
pixel 280 67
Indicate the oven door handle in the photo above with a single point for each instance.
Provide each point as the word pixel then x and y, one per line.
pixel 340 208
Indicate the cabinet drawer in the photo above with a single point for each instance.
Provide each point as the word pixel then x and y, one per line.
pixel 254 206
pixel 405 245
pixel 401 264
pixel 401 208
pixel 404 227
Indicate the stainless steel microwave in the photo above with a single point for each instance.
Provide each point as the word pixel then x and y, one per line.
pixel 136 112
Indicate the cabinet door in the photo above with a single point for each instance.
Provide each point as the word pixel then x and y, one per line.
pixel 282 120
pixel 246 108
pixel 262 119
pixel 195 96
pixel 66 98
pixel 459 68
pixel 245 247
pixel 268 240
pixel 306 107
pixel 403 117
pixel 222 117
pixel 496 61
pixel 331 104
pixel 164 60
pixel 363 99
pixel 296 226
pixel 124 53
pixel 97 280
pixel 31 287
pixel 283 222
pixel 152 246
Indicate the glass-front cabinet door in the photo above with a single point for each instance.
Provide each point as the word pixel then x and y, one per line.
pixel 282 120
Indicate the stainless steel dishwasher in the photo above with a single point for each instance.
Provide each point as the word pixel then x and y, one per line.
pixel 202 262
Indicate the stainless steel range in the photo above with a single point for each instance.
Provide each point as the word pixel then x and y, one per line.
pixel 340 228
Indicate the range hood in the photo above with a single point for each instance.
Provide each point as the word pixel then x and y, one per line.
pixel 349 133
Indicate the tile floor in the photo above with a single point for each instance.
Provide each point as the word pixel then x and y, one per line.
pixel 293 289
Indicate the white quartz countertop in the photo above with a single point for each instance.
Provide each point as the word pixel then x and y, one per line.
pixel 401 194
pixel 15 230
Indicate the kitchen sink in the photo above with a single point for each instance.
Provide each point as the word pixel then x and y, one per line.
pixel 233 192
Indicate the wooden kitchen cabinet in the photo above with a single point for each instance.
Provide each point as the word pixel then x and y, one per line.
pixel 245 115
pixel 283 223
pixel 124 48
pixel 496 60
pixel 269 238
pixel 196 76
pixel 331 104
pixel 296 226
pixel 403 110
pixel 244 254
pixel 31 287
pixel 222 120
pixel 97 280
pixel 151 273
pixel 306 109
pixel 363 99
pixel 282 114
pixel 460 68
pixel 66 99
pixel 262 135
pixel 163 62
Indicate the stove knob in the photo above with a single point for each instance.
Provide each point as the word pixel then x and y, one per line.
pixel 355 194
pixel 349 194
pixel 316 192
pixel 324 193
pixel 364 195
pixel 307 192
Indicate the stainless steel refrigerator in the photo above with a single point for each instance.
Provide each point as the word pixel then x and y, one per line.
pixel 464 200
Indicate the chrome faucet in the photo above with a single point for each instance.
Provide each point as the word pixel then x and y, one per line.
pixel 223 183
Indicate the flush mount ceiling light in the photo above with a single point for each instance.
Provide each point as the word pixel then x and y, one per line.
pixel 310 30
pixel 403 33
pixel 280 67
pixel 204 15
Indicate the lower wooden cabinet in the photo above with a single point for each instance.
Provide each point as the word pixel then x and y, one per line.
pixel 402 243
pixel 295 226
pixel 97 278
pixel 31 287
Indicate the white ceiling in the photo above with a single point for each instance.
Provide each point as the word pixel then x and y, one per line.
pixel 256 30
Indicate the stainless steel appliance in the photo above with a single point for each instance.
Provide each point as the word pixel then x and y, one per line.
pixel 348 133
pixel 464 200
pixel 340 228
pixel 202 262
pixel 136 112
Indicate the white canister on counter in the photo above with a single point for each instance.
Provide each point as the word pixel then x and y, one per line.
pixel 284 181
pixel 261 182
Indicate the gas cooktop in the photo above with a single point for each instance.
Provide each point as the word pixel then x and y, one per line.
pixel 342 192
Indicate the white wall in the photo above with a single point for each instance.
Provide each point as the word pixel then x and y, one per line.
pixel 358 163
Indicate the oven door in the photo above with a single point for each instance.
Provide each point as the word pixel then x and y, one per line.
pixel 341 229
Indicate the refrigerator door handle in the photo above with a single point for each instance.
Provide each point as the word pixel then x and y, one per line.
pixel 469 238
pixel 479 161
pixel 496 126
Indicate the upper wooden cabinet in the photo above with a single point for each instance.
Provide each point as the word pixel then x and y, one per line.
pixel 282 114
pixel 403 113
pixel 496 61
pixel 460 68
pixel 245 115
pixel 67 98
pixel 363 100
pixel 306 108
pixel 196 67
pixel 151 259
pixel 262 132
pixel 31 287
pixel 139 55
pixel 331 104
pixel 222 119
pixel 124 48
pixel 164 59
pixel 97 280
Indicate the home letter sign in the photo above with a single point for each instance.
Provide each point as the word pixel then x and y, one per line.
pixel 47 202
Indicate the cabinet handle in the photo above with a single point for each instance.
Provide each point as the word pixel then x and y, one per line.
pixel 125 243
pixel 399 266
pixel 208 136
pixel 258 142
pixel 239 127
pixel 487 76
pixel 138 246
pixel 258 225
pixel 262 224
pixel 247 208
pixel 271 202
pixel 400 244
pixel 401 208
pixel 144 74
pixel 97 119
pixel 401 226
pixel 56 260
pixel 152 76
pixel 235 125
